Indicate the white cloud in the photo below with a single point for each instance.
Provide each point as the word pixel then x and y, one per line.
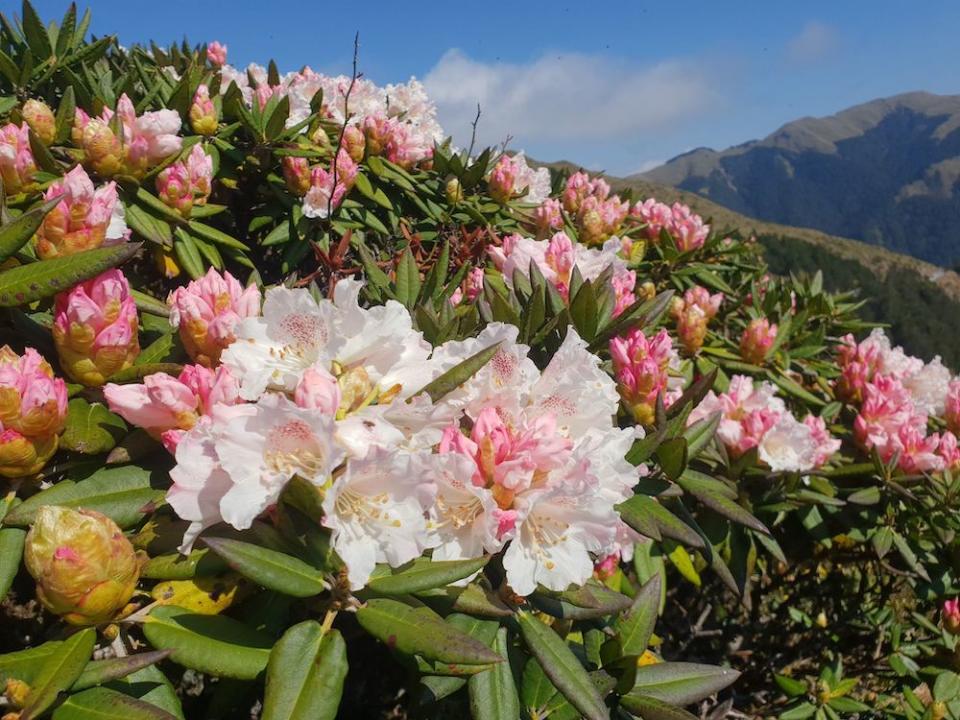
pixel 573 98
pixel 812 43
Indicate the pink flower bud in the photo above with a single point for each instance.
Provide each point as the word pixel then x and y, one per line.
pixel 95 329
pixel 692 314
pixel 185 184
pixel 951 616
pixel 376 131
pixel 86 570
pixel 473 284
pixel 296 173
pixel 641 366
pixel 203 113
pixel 166 407
pixel 952 410
pixel 32 401
pixel 80 121
pixel 104 150
pixel 217 53
pixel 41 120
pixel 454 191
pixel 354 142
pixel 16 159
pixel 81 220
pixel 756 341
pixel 548 217
pixel 21 456
pixel 318 390
pixel 207 310
pixel 502 179
pixel 577 188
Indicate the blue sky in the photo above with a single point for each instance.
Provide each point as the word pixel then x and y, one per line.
pixel 612 86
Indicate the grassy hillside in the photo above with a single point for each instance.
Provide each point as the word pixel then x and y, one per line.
pixel 920 301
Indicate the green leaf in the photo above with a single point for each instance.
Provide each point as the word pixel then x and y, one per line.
pixel 11 552
pixel 635 626
pixel 35 33
pixel 152 686
pixel 91 428
pixel 123 494
pixel 98 672
pixel 681 683
pixel 589 601
pixel 419 631
pixel 209 643
pixel 187 254
pixel 584 312
pixel 701 433
pixel 715 496
pixel 24 284
pixel 426 574
pixel 792 688
pixel 137 372
pixel 493 694
pixel 458 374
pixel 25 664
pixel 305 674
pixel 650 708
pixel 206 232
pixel 562 667
pixel 646 515
pixel 269 568
pixel 59 672
pixel 672 456
pixel 106 704
pixel 17 233
pixel 408 280
pixel 41 155
pixel 800 712
pixel 148 226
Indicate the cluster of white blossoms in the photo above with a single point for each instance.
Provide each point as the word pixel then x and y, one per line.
pixel 515 457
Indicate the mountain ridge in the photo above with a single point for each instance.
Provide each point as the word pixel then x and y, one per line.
pixel 886 172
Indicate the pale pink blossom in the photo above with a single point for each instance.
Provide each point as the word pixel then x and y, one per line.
pixel 207 311
pixel 952 406
pixel 747 412
pixel 687 229
pixel 323 196
pixel 318 390
pixel 826 444
pixel 548 217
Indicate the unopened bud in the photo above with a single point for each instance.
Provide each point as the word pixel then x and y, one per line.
pixel 41 120
pixel 203 113
pixel 354 142
pixel 951 616
pixel 103 148
pixel 16 692
pixel 296 173
pixel 454 191
pixel 757 340
pixel 86 570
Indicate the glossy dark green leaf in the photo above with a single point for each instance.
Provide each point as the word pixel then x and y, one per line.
pixel 458 374
pixel 11 553
pixel 106 704
pixel 17 233
pixel 680 683
pixel 642 512
pixel 305 674
pixel 58 672
pixel 271 569
pixel 650 708
pixel 635 626
pixel 91 428
pixel 493 693
pixel 426 574
pixel 562 667
pixel 98 672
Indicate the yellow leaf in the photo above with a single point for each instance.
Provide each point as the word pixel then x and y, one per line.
pixel 684 563
pixel 204 595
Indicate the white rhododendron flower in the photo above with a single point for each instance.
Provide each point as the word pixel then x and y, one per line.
pixel 788 446
pixel 376 511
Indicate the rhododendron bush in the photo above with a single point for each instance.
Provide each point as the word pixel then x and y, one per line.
pixel 306 412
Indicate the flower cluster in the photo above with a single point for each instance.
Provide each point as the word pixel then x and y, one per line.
pixel 556 258
pixel 752 416
pixel 512 178
pixel 33 409
pixel 142 143
pixel 687 229
pixel 327 390
pixel 693 312
pixel 896 393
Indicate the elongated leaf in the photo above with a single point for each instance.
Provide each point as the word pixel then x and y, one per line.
pixel 137 372
pixel 11 552
pixel 458 374
pixel 642 512
pixel 206 232
pixel 562 667
pixel 209 643
pixel 408 279
pixel 493 694
pixel 58 672
pixel 426 574
pixel 305 674
pixel 24 284
pixel 25 664
pixel 91 428
pixel 680 683
pixel 123 494
pixel 106 704
pixel 635 626
pixel 269 568
pixel 98 672
pixel 720 502
pixel 591 601
pixel 650 708
pixel 175 566
pixel 149 226
pixel 150 685
pixel 17 233
pixel 419 631
pixel 35 33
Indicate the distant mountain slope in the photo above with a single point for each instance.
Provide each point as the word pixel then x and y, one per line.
pixel 885 172
pixel 920 301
